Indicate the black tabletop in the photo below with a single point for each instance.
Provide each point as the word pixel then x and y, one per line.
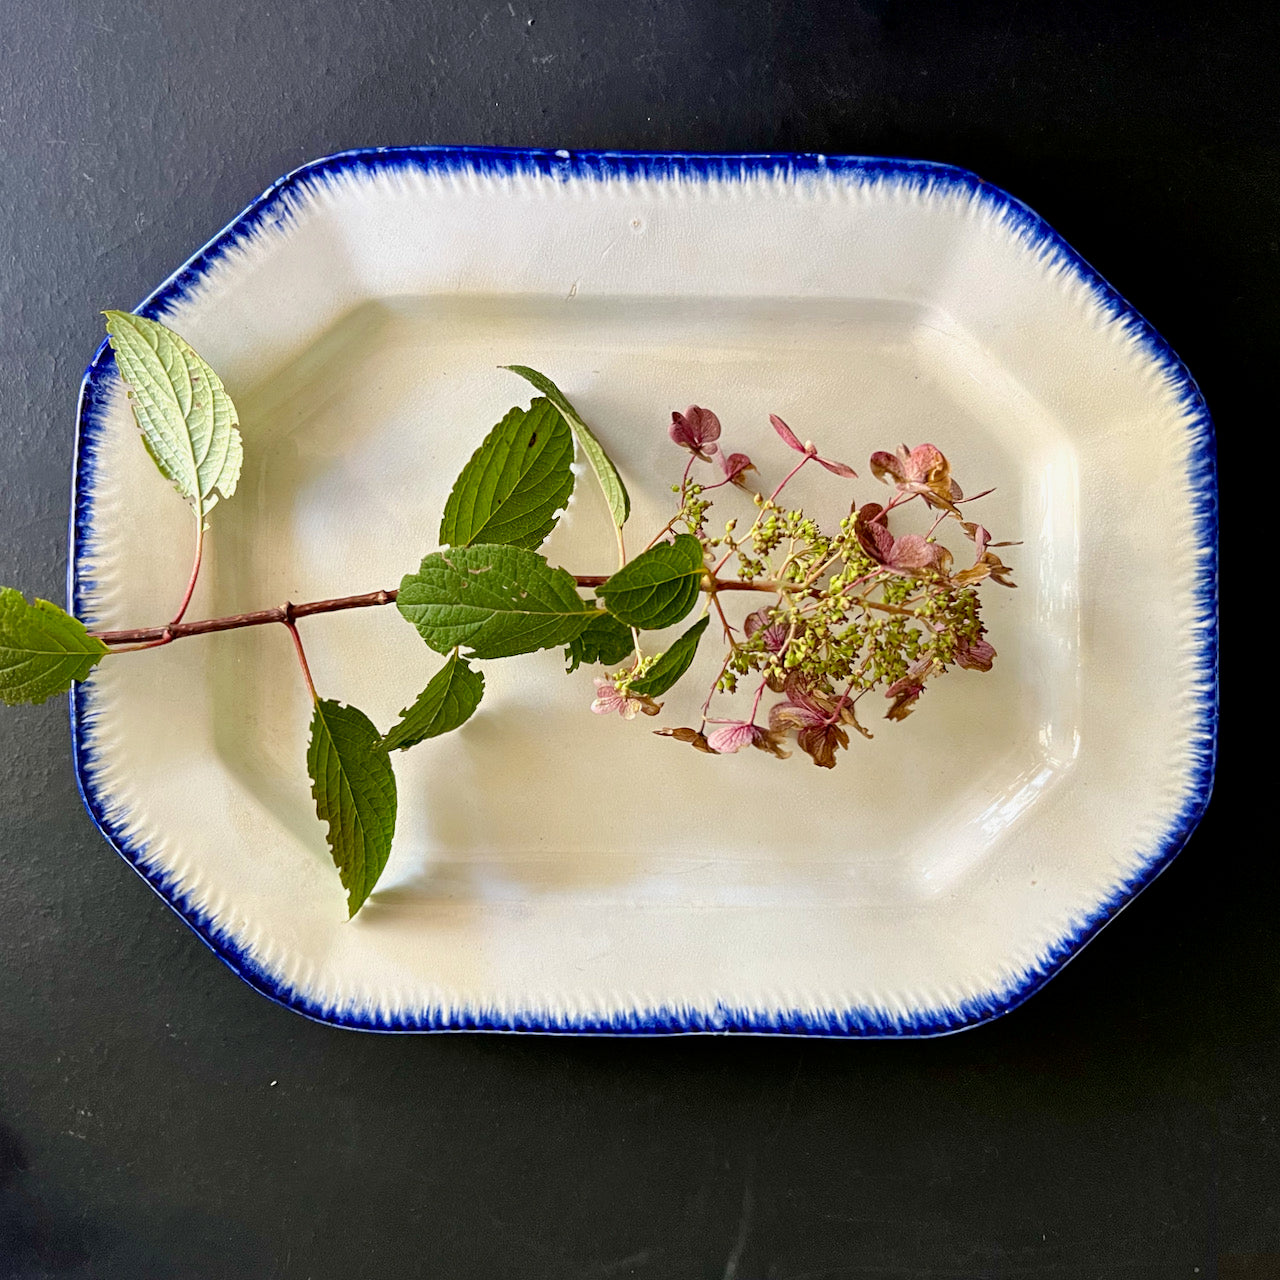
pixel 159 1119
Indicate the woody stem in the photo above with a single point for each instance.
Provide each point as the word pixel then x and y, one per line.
pixel 120 640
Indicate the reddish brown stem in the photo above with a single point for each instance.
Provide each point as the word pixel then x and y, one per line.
pixel 261 617
pixel 195 570
pixel 302 653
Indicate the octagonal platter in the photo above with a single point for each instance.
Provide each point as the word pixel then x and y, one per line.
pixel 558 871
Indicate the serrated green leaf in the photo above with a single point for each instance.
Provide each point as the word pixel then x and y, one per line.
pixel 498 601
pixel 672 664
pixel 615 492
pixel 42 649
pixel 516 483
pixel 605 640
pixel 448 701
pixel 659 586
pixel 355 794
pixel 188 422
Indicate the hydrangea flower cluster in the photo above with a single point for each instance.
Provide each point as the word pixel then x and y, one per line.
pixel 856 611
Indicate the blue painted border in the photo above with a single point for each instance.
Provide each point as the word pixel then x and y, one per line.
pixel 277 205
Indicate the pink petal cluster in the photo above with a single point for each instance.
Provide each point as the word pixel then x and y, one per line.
pixel 923 470
pixel 735 466
pixel 775 633
pixel 986 563
pixel 809 449
pixel 610 699
pixel 814 719
pixel 910 552
pixel 697 430
pixel 733 735
pixel 976 655
pixel 904 692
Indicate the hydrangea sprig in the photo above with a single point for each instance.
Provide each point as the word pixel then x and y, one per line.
pixel 848 611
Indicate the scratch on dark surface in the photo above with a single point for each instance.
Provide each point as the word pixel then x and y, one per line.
pixel 620 1265
pixel 744 1230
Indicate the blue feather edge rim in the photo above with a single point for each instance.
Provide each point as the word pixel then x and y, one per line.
pixel 274 205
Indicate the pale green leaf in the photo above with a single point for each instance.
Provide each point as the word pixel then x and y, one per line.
pixel 516 483
pixel 498 601
pixel 615 492
pixel 659 586
pixel 188 422
pixel 448 701
pixel 605 640
pixel 672 664
pixel 42 649
pixel 355 794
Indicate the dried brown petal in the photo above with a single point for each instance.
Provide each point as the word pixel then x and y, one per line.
pixel 872 533
pixel 772 743
pixel 822 743
pixel 735 467
pixel 905 703
pixel 695 739
pixel 978 655
pixel 923 470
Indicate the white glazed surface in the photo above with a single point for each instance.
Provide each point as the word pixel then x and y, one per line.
pixel 561 870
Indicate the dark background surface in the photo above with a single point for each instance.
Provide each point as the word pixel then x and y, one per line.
pixel 159 1119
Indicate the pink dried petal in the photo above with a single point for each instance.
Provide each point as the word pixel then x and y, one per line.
pixel 887 464
pixel 872 533
pixel 923 470
pixel 923 462
pixel 607 700
pixel 978 655
pixel 911 551
pixel 610 699
pixel 907 684
pixel 775 637
pixel 786 717
pixel 735 466
pixel 914 551
pixel 981 538
pixel 805 706
pixel 789 437
pixel 837 468
pixel 695 429
pixel 775 633
pixel 733 737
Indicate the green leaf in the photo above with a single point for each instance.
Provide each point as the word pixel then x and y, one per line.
pixel 355 794
pixel 615 492
pixel 605 640
pixel 659 586
pixel 448 701
pixel 516 484
pixel 498 601
pixel 42 649
pixel 672 664
pixel 187 419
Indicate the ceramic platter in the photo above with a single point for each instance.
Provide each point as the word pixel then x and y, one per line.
pixel 563 872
